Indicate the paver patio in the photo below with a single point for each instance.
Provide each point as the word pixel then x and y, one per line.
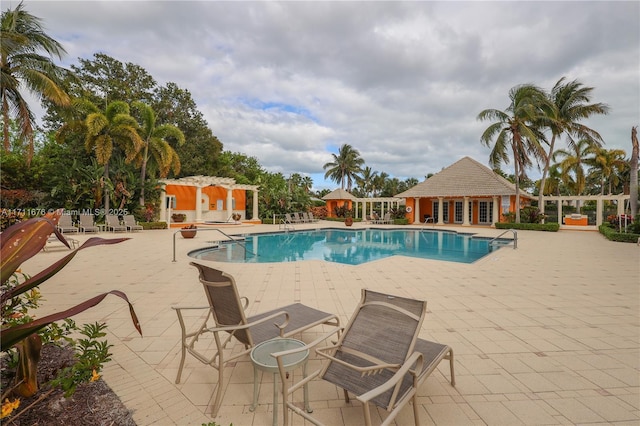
pixel 545 334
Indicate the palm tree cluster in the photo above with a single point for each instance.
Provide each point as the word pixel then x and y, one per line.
pixel 530 128
pixel 348 168
pixel 113 133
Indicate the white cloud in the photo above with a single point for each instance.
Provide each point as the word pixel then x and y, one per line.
pixel 402 82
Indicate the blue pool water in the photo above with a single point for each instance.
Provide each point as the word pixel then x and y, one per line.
pixel 351 247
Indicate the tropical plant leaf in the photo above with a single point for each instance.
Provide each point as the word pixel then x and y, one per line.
pixel 53 269
pixel 22 241
pixel 11 336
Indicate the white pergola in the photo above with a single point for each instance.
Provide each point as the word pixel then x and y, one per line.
pixel 600 199
pixel 386 203
pixel 200 182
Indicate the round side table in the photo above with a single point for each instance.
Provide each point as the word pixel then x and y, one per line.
pixel 262 360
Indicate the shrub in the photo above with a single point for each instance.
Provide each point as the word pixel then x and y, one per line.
pixel 22 333
pixel 613 235
pixel 549 227
pixel 153 225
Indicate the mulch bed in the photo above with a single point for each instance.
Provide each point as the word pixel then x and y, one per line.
pixel 92 404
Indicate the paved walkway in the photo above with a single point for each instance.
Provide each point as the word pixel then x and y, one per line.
pixel 545 334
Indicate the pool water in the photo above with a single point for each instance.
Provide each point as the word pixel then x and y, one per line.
pixel 351 247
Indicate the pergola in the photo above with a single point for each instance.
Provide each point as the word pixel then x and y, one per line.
pixel 386 204
pixel 200 182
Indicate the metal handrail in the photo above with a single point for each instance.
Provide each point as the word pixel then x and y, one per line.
pixel 432 221
pixel 287 225
pixel 515 237
pixel 211 229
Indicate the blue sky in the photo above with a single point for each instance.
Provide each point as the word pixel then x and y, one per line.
pixel 402 82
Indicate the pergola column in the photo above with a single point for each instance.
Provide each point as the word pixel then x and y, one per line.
pixel 560 210
pixel 496 211
pixel 198 206
pixel 440 211
pixel 416 210
pixel 254 213
pixel 229 202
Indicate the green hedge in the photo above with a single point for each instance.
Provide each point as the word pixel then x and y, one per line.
pixel 612 235
pixel 153 225
pixel 400 221
pixel 549 227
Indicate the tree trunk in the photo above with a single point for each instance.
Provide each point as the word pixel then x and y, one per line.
pixel 633 185
pixel 545 171
pixel 517 170
pixel 143 173
pixel 105 191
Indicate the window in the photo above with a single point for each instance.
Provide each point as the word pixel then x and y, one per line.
pixel 458 211
pixel 485 212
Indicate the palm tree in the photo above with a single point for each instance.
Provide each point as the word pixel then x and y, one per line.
pixel 345 167
pixel 568 104
pixel 114 127
pixel 365 180
pixel 156 142
pixel 515 130
pixel 379 182
pixel 633 178
pixel 607 164
pixel 23 66
pixel 572 162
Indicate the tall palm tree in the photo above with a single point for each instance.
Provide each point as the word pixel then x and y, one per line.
pixel 379 182
pixel 156 145
pixel 345 167
pixel 572 162
pixel 633 172
pixel 113 129
pixel 24 67
pixel 608 164
pixel 365 180
pixel 569 102
pixel 515 130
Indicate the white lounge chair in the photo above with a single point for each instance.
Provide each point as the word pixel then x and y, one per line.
pixel 131 224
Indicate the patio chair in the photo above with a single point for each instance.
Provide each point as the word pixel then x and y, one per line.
pixel 312 218
pixel 227 309
pixel 87 223
pixel 65 224
pixel 379 357
pixel 131 223
pixel 113 223
pixel 387 219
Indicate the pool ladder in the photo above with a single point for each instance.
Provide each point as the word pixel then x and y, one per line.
pixel 288 226
pixel 515 237
pixel 231 238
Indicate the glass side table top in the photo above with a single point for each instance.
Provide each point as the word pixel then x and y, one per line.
pixel 261 354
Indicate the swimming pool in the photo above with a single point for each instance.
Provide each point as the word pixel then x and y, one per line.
pixel 351 247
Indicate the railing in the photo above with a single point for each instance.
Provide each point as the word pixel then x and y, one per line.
pixel 284 223
pixel 515 237
pixel 211 229
pixel 430 219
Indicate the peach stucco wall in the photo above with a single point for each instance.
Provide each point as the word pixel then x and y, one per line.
pixel 186 196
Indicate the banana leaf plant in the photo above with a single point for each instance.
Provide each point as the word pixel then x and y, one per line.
pixel 19 243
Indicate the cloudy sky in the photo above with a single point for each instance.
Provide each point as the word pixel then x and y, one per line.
pixel 402 82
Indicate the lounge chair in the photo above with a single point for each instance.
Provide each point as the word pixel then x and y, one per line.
pixel 311 217
pixel 113 224
pixel 87 223
pixel 387 219
pixel 227 309
pixel 288 218
pixel 65 224
pixel 379 357
pixel 131 224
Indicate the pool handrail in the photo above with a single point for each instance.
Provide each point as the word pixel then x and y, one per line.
pixel 515 237
pixel 211 229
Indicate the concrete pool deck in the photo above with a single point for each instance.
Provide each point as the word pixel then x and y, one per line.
pixel 545 334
